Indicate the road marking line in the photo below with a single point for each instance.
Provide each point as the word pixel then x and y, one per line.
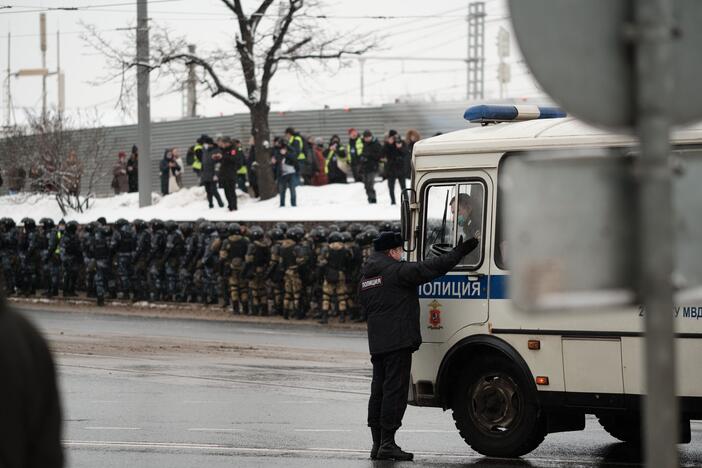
pixel 110 428
pixel 323 430
pixel 311 450
pixel 212 429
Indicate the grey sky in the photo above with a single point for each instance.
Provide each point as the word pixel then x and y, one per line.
pixel 423 29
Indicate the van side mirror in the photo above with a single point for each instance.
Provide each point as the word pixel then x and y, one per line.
pixel 407 202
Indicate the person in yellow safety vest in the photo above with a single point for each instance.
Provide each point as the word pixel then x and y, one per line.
pixel 297 147
pixel 194 156
pixel 242 173
pixel 334 155
pixel 295 143
pixel 354 149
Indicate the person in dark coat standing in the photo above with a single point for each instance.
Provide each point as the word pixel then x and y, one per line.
pixel 211 161
pixel 232 161
pixel 167 166
pixel 133 170
pixel 120 181
pixel 369 161
pixel 395 155
pixel 388 295
pixel 30 427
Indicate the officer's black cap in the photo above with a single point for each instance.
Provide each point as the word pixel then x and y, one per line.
pixel 386 241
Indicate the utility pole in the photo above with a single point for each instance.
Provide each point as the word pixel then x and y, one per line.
pixel 475 60
pixel 144 103
pixel 653 58
pixel 42 46
pixel 191 110
pixel 60 77
pixel 8 97
pixel 504 74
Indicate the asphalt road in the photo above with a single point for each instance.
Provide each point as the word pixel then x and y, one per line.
pixel 145 392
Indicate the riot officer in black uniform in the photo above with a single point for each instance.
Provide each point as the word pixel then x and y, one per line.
pixel 122 245
pixel 71 257
pixel 140 260
pixel 188 262
pixel 89 265
pixel 257 260
pixel 175 248
pixel 210 263
pixel 29 256
pixel 101 252
pixel 8 252
pixel 157 280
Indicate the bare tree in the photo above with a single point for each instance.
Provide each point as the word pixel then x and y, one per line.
pixel 57 158
pixel 264 39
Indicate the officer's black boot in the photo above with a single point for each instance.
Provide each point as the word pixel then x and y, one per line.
pixel 389 450
pixel 324 320
pixel 101 301
pixel 245 308
pixel 375 432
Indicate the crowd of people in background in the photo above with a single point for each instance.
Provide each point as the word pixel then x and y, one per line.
pixel 223 162
pixel 284 270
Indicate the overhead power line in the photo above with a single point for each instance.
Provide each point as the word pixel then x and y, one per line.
pixel 14 9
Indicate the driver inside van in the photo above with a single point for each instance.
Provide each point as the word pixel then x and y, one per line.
pixel 468 220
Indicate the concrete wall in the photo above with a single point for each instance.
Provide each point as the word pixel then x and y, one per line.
pixel 428 119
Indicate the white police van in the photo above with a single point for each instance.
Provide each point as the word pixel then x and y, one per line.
pixel 511 377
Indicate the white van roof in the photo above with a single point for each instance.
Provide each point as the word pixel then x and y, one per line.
pixel 535 134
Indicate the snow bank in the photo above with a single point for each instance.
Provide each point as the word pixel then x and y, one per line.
pixel 335 202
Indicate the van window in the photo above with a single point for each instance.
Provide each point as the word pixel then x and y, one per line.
pixel 453 211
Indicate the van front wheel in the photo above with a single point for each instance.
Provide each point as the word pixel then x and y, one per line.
pixel 496 411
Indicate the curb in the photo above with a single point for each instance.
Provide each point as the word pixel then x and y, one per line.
pixel 170 311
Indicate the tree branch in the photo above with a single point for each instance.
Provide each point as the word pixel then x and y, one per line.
pixel 269 65
pixel 220 88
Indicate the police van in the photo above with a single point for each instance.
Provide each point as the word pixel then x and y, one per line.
pixel 511 377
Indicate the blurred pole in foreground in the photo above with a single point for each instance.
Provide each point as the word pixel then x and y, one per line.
pixel 144 103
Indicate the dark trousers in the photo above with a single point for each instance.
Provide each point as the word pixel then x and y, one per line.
pixel 391 185
pixel 389 389
pixel 285 182
pixel 229 186
pixel 369 184
pixel 211 189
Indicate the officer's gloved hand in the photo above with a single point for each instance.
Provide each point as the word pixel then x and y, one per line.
pixel 467 246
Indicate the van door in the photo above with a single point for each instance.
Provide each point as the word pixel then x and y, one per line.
pixel 455 206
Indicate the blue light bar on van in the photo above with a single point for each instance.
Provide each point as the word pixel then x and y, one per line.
pixel 494 114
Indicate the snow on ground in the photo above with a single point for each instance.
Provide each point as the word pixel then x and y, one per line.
pixel 334 202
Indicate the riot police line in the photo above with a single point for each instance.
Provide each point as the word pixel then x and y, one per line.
pixel 284 270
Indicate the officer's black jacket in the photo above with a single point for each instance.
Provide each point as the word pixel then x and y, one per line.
pixel 388 292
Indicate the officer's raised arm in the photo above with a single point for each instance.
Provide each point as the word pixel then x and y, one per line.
pixel 418 273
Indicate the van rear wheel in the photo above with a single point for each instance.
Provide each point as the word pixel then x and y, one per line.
pixel 496 411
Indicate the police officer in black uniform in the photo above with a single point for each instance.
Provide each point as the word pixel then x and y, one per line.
pixel 388 293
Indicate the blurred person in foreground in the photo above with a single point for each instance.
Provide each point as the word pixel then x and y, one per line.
pixel 389 297
pixel 30 426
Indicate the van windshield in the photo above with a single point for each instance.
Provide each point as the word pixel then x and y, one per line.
pixel 453 211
